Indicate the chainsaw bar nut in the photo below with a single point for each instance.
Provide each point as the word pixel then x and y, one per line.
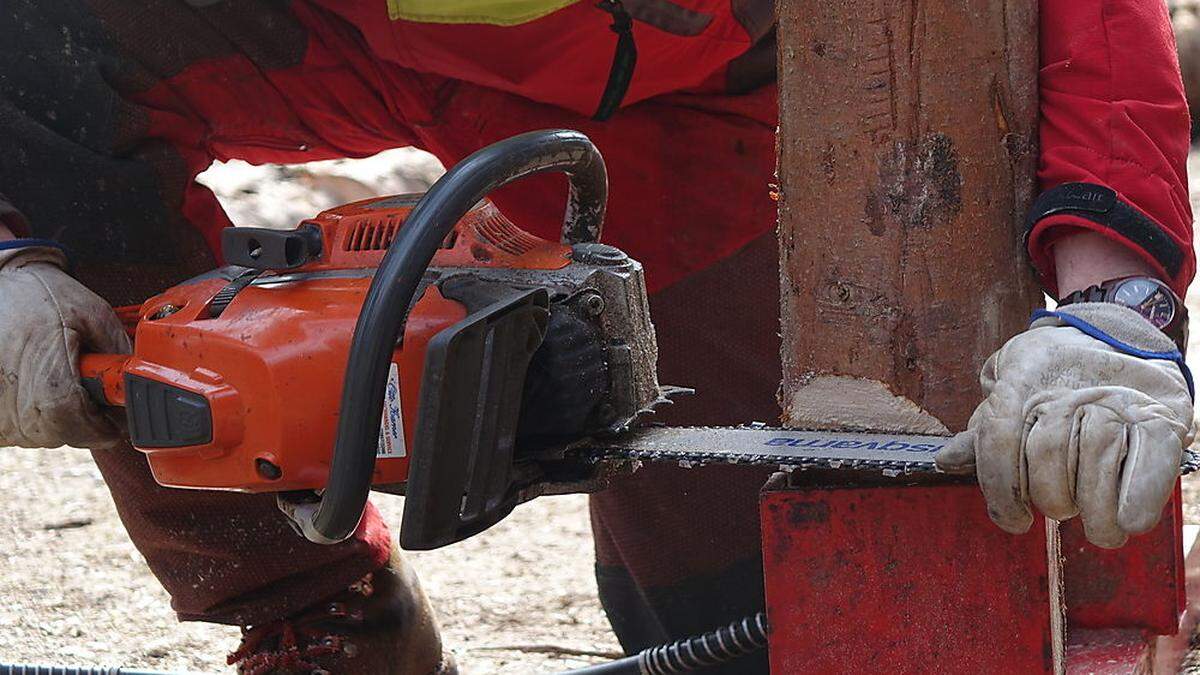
pixel 592 303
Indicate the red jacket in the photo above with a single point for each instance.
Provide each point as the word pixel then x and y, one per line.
pixel 564 58
pixel 1113 113
pixel 1113 107
pixel 691 151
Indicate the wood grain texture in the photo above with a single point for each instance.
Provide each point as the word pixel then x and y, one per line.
pixel 907 151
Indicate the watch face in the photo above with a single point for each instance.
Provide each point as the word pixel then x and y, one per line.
pixel 1148 297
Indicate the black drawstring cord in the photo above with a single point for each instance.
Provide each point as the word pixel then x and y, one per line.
pixel 624 60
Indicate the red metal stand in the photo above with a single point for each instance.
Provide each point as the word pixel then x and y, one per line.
pixel 1171 650
pixel 903 579
pixel 1139 586
pixel 1124 606
pixel 916 578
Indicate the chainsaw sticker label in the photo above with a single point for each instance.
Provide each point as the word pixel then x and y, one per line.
pixel 838 444
pixel 391 427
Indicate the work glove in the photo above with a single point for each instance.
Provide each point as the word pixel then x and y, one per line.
pixel 46 320
pixel 1087 413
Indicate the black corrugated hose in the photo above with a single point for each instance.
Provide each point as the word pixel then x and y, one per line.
pixel 720 646
pixel 25 669
pixel 690 654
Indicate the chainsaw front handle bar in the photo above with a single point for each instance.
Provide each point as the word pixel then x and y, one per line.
pixel 385 308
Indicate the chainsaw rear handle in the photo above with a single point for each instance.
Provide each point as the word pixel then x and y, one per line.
pixel 102 375
pixel 381 322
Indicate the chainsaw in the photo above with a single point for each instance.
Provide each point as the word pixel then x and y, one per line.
pixel 428 346
pixel 419 344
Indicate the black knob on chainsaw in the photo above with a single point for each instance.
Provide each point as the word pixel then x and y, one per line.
pixel 265 249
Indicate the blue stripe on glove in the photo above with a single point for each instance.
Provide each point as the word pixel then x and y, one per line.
pixel 1092 331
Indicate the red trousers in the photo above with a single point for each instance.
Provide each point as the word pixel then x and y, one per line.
pixel 102 133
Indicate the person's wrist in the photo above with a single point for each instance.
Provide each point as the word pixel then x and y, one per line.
pixel 5 233
pixel 1089 259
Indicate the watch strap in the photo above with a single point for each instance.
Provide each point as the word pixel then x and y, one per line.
pixel 1176 329
pixel 1092 293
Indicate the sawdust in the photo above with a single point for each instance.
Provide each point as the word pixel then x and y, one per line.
pixel 840 402
pixel 282 196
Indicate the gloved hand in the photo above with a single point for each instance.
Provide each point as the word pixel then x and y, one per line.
pixel 46 319
pixel 1087 413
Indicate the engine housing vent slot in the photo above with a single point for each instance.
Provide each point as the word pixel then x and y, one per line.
pixel 500 232
pixel 371 235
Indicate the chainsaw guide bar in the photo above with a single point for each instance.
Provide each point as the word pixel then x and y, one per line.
pixel 789 449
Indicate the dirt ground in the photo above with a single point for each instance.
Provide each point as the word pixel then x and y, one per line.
pixel 519 598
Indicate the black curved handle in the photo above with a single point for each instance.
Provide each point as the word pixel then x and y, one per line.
pixel 381 321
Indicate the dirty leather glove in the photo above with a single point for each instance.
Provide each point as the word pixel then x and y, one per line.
pixel 1087 413
pixel 46 319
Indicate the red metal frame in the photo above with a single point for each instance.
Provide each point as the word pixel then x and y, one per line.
pixel 902 579
pixel 1138 586
pixel 913 579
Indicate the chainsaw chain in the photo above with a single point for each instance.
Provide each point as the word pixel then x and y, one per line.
pixel 601 449
pixel 1190 463
pixel 611 449
pixel 784 462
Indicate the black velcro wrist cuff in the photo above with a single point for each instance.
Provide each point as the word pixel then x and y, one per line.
pixel 1102 205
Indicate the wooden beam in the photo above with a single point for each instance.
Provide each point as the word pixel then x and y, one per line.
pixel 907 158
pixel 907 150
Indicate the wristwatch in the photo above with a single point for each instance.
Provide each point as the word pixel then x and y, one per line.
pixel 1147 296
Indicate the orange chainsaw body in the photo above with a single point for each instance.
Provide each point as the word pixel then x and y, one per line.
pixel 269 362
